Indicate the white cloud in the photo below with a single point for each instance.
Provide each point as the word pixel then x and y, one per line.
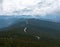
pixel 37 7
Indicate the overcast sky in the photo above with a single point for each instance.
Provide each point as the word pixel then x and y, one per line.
pixel 29 7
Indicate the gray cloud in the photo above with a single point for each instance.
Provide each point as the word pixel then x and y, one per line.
pixel 30 7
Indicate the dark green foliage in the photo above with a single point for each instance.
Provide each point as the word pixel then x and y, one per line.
pixel 14 36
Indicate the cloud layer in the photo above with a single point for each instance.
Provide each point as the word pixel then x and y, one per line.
pixel 29 7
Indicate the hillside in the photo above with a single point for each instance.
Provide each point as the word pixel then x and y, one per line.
pixel 14 35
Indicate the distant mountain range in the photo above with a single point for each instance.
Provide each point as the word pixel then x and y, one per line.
pixel 6 21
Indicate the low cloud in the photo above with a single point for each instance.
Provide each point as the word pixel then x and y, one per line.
pixel 29 7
